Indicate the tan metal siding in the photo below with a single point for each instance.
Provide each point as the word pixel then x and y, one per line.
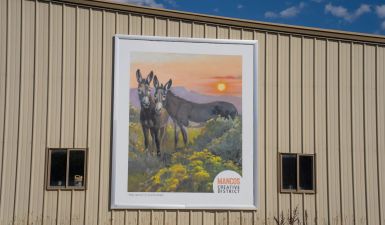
pixel 332 138
pixel 381 127
pixel 271 127
pixel 185 29
pixel 372 204
pixel 36 196
pixel 118 216
pixel 94 116
pixel 283 107
pixel 12 112
pixel 308 144
pixel 198 30
pixel 261 212
pixel 54 101
pixel 322 199
pixel 160 27
pixel 345 134
pixel 26 112
pixel 358 136
pixel 296 109
pixel 81 107
pixel 319 96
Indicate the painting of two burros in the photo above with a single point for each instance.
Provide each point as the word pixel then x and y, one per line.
pixel 185 120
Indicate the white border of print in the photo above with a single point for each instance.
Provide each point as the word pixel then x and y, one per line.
pixel 248 196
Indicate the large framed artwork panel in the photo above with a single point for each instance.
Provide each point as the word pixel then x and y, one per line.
pixel 184 123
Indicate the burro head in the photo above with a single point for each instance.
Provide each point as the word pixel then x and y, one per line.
pixel 144 89
pixel 160 94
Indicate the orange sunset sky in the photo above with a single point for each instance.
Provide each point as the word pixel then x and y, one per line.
pixel 205 74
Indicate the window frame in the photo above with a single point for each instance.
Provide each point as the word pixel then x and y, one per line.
pixel 298 189
pixel 66 187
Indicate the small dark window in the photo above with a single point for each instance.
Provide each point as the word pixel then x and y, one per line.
pixel 66 168
pixel 58 168
pixel 289 172
pixel 306 172
pixel 297 173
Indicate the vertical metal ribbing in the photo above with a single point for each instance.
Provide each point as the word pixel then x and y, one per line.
pixel 364 130
pixel 33 115
pixel 327 127
pixel 352 128
pixel 377 144
pixel 314 132
pixel 18 111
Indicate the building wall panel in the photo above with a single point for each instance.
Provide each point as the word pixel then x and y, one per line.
pixel 345 128
pixel 81 102
pixel 271 127
pixel 332 106
pixel 322 213
pixel 209 217
pixel 360 216
pixel 196 217
pixel 247 35
pixel 236 33
pixel 370 139
pixel 26 112
pixel 12 110
pixel 198 30
pixel 170 217
pixel 144 217
pixel 67 103
pixel 210 31
pixel 160 27
pixel 308 144
pixel 135 24
pixel 40 113
pixel 148 26
pixel 3 74
pixel 234 217
pixel 104 163
pixel 54 100
pixel 185 29
pixel 183 217
pixel 173 28
pixel 283 109
pixel 223 32
pixel 316 95
pixel 262 44
pixel 118 216
pixel 94 116
pixel 380 93
pixel 296 110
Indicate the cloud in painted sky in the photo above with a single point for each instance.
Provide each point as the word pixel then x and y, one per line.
pixel 286 13
pixel 239 6
pixel 151 3
pixel 383 25
pixel 342 12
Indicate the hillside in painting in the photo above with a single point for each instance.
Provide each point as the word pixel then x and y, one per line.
pixel 193 96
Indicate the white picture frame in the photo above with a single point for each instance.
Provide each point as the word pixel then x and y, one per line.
pixel 247 198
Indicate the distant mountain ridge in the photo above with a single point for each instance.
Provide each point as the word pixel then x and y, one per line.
pixel 193 97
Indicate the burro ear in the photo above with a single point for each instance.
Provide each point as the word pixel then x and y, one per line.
pixel 167 86
pixel 156 82
pixel 139 76
pixel 149 77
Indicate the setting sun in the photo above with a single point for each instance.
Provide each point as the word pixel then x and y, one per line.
pixel 221 87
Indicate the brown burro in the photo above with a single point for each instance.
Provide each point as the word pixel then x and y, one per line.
pixel 182 111
pixel 152 121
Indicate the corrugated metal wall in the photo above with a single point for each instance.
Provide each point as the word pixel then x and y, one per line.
pixel 316 96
